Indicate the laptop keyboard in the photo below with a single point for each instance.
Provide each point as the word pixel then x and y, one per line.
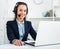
pixel 32 43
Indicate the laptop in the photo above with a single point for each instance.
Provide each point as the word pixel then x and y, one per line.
pixel 48 34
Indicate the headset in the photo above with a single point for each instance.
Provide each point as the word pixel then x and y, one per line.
pixel 16 7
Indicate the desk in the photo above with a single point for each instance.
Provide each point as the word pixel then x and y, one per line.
pixel 11 46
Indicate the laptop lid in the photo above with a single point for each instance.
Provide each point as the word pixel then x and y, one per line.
pixel 48 33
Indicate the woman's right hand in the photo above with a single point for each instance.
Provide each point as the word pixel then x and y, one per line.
pixel 17 42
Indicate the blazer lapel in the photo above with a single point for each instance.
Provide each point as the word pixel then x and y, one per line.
pixel 16 28
pixel 26 31
pixel 25 26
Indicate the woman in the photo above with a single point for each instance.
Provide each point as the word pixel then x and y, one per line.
pixel 19 28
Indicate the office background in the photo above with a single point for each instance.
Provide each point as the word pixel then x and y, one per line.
pixel 37 12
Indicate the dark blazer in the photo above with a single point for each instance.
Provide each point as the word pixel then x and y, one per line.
pixel 13 32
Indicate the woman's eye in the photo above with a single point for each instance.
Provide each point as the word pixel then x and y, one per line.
pixel 20 10
pixel 24 10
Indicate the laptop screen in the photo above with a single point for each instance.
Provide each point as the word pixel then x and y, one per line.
pixel 48 33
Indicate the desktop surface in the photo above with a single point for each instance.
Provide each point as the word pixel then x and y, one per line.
pixel 11 46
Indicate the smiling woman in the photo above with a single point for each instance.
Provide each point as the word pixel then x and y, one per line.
pixel 19 28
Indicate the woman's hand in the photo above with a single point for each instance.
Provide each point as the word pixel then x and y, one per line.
pixel 17 42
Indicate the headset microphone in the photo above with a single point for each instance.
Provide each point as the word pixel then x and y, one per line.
pixel 19 15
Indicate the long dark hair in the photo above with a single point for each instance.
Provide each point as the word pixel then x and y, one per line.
pixel 16 8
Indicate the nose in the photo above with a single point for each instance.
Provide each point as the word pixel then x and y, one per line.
pixel 23 12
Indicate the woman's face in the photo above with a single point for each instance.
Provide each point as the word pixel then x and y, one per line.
pixel 22 12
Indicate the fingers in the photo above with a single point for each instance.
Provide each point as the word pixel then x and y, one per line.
pixel 17 42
